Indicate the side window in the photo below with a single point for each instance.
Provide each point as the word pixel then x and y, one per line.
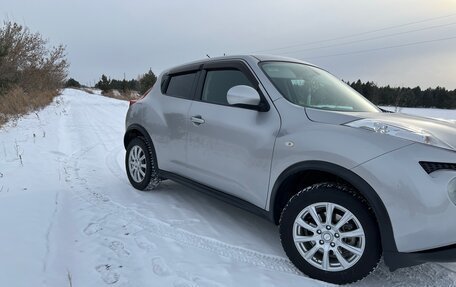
pixel 218 82
pixel 181 85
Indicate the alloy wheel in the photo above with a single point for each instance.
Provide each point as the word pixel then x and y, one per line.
pixel 329 236
pixel 137 164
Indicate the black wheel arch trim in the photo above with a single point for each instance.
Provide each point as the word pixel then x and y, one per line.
pixel 398 260
pixel 138 128
pixel 384 222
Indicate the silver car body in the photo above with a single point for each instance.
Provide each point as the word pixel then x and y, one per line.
pixel 244 153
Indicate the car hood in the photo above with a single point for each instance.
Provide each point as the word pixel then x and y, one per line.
pixel 445 131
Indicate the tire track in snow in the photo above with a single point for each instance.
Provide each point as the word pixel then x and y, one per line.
pixel 162 229
pixel 60 105
pixel 113 166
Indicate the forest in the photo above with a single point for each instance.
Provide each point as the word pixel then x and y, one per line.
pixel 438 97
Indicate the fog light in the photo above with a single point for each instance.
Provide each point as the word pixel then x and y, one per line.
pixel 452 190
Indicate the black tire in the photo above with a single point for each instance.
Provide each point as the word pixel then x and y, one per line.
pixel 151 179
pixel 348 199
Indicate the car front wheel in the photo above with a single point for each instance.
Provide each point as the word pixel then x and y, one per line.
pixel 329 233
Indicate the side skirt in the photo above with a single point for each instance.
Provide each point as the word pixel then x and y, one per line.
pixel 218 194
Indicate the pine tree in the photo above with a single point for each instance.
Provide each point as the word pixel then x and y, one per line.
pixel 72 83
pixel 103 84
pixel 147 81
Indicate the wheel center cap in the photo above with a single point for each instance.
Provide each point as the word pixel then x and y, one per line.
pixel 327 236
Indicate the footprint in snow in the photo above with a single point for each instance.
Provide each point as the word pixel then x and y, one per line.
pixel 58 153
pixel 92 228
pixel 203 282
pixel 160 268
pixel 144 243
pixel 108 275
pixel 118 248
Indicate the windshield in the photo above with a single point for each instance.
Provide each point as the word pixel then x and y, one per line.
pixel 312 87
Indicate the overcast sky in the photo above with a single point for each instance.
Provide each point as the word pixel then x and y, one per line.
pixel 129 37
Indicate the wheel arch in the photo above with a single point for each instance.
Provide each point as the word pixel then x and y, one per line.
pixel 345 175
pixel 136 130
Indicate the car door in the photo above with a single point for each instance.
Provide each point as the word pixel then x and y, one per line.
pixel 230 148
pixel 170 135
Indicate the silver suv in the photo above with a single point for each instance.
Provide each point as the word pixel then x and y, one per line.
pixel 346 181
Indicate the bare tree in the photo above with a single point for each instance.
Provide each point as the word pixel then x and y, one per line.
pixel 25 59
pixel 31 73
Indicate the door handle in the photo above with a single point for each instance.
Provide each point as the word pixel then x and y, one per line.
pixel 197 120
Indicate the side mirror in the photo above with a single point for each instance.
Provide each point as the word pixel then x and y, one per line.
pixel 243 96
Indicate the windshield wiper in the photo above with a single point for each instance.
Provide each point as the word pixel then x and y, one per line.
pixel 385 111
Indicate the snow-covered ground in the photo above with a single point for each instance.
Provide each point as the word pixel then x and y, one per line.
pixel 69 217
pixel 446 115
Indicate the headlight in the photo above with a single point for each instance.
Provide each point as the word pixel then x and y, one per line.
pixel 400 131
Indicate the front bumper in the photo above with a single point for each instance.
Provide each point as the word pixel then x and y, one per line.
pixel 418 204
pixel 396 260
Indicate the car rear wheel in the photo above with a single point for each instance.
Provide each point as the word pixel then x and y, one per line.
pixel 141 165
pixel 330 234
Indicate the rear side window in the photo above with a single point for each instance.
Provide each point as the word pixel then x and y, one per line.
pixel 218 82
pixel 181 85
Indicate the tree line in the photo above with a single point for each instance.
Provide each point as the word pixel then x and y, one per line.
pixel 142 84
pixel 438 97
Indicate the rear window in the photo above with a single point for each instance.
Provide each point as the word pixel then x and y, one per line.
pixel 181 85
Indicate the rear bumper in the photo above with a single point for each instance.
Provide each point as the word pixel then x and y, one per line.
pixel 396 260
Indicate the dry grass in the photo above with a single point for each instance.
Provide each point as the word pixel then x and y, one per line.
pixel 87 90
pixel 17 102
pixel 31 73
pixel 126 96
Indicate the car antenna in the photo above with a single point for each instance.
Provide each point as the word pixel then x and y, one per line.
pixel 208 56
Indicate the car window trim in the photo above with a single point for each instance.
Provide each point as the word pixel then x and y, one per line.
pixel 229 65
pixel 166 81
